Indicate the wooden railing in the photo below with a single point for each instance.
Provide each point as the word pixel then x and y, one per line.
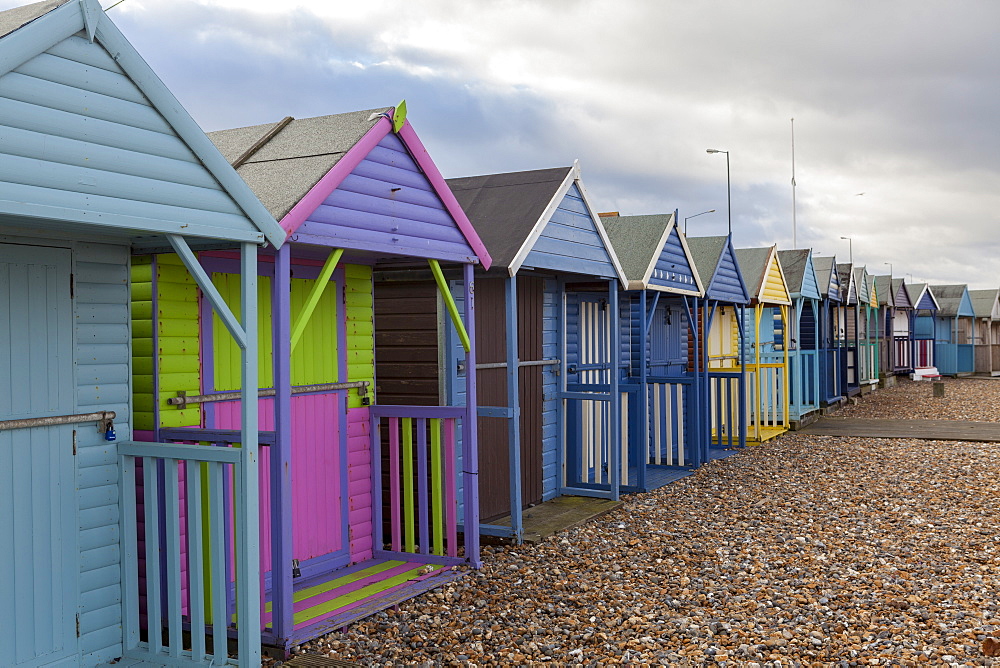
pixel 902 353
pixel 726 408
pixel 669 402
pixel 187 545
pixel 425 475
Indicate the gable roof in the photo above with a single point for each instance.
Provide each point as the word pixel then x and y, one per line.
pixel 861 285
pixel 121 196
pixel 640 242
pixel 985 302
pixel 883 288
pixel 709 255
pixel 761 271
pixel 952 300
pixel 848 288
pixel 295 164
pixel 900 295
pixel 510 211
pixel 827 277
pixel 800 274
pixel 921 297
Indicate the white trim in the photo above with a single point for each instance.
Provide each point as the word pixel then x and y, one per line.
pixel 599 225
pixel 687 253
pixel 543 219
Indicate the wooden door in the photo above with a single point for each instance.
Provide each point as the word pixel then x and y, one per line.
pixel 38 543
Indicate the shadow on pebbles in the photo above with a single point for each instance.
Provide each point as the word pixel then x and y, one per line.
pixel 808 550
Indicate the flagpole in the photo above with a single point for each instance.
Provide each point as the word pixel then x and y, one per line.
pixel 794 244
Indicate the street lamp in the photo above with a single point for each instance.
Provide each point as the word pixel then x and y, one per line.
pixel 850 249
pixel 890 268
pixel 729 189
pixel 695 216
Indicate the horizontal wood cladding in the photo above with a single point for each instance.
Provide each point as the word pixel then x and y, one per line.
pixel 406 343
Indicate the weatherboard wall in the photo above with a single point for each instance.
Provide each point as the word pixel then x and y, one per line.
pixel 726 284
pixel 673 267
pixel 570 241
pixel 387 204
pixel 108 151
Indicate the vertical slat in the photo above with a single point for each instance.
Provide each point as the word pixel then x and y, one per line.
pixel 151 529
pixel 395 509
pixel 375 451
pixel 657 434
pixel 280 455
pixel 470 435
pixel 409 516
pixel 585 438
pixel 195 547
pixel 450 487
pixel 218 551
pixel 437 491
pixel 624 437
pixel 173 555
pixel 664 426
pixel 130 556
pixel 423 497
pixel 227 505
pixel 679 409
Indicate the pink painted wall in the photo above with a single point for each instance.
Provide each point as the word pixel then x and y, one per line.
pixel 359 471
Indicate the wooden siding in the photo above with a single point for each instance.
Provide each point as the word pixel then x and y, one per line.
pixel 551 470
pixel 673 267
pixel 406 341
pixel 726 284
pixel 108 151
pixel 570 241
pixel 810 287
pixel 774 290
pixel 102 335
pixel 387 204
pixel 360 326
pixel 164 324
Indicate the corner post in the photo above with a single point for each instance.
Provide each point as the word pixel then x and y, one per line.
pixel 281 452
pixel 615 440
pixel 470 431
pixel 514 407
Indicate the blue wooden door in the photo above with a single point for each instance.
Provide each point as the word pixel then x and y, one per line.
pixel 38 515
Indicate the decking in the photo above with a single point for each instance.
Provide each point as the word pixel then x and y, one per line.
pixel 935 430
pixel 326 603
pixel 562 512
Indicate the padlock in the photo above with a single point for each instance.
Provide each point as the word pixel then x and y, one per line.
pixel 109 435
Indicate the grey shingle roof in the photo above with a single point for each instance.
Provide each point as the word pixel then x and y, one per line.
pixel 636 240
pixel 705 253
pixel 983 301
pixel 896 283
pixel 793 264
pixel 505 207
pixel 753 265
pixel 283 170
pixel 949 298
pixel 845 274
pixel 12 19
pixel 884 290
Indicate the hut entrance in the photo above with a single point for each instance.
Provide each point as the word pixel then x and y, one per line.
pixel 589 429
pixel 36 381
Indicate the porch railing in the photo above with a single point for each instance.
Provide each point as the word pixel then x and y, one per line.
pixel 668 443
pixel 805 390
pixel 420 465
pixel 726 408
pixel 902 353
pixel 187 496
pixel 923 352
pixel 766 394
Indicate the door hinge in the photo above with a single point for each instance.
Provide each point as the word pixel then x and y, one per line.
pixel 74 442
pixel 78 625
pixel 72 286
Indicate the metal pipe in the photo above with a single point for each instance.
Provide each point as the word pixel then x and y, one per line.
pixel 26 423
pixel 503 365
pixel 184 400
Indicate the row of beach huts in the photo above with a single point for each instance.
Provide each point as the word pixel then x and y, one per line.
pixel 260 384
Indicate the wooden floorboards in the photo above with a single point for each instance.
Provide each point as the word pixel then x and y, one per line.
pixel 935 430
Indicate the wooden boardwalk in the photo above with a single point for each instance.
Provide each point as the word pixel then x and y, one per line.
pixel 934 430
pixel 562 512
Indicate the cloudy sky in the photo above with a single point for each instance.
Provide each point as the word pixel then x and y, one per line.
pixel 897 100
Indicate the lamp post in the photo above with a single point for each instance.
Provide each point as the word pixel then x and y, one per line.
pixel 729 189
pixel 890 268
pixel 850 249
pixel 695 216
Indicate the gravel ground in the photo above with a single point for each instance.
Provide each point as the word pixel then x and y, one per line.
pixel 808 550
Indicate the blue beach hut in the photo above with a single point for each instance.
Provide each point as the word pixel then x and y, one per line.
pixel 659 345
pixel 900 328
pixel 954 329
pixel 829 340
pixel 720 316
pixel 549 401
pixel 925 307
pixel 804 334
pixel 100 161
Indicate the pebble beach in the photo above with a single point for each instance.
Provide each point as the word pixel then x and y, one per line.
pixel 804 551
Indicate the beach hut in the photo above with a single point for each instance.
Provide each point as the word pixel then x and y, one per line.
pixel 886 309
pixel 849 331
pixel 722 380
pixel 657 375
pixel 901 327
pixel 804 320
pixel 547 344
pixel 765 343
pixel 867 336
pixel 828 338
pixel 100 161
pixel 925 307
pixel 359 496
pixel 954 329
pixel 986 304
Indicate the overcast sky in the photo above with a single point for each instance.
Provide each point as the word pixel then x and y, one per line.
pixel 895 100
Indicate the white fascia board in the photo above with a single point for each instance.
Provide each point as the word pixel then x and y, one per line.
pixel 599 225
pixel 543 219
